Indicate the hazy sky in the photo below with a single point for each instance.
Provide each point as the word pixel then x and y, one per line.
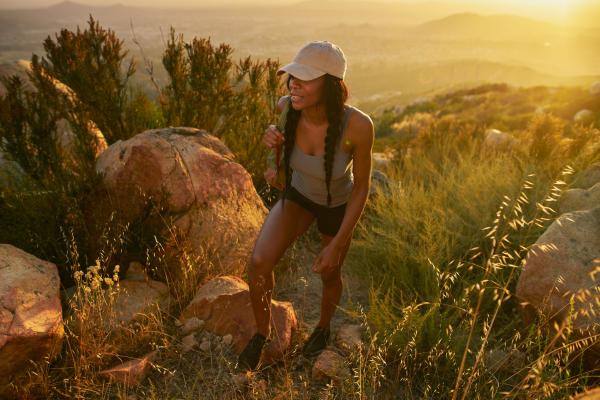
pixel 200 3
pixel 551 10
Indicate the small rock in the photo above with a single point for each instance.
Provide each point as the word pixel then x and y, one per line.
pixel 131 373
pixel 227 339
pixel 239 380
pixel 498 140
pixel 399 109
pixel 193 324
pixel 583 114
pixel 136 272
pixel 350 338
pixel 329 366
pixel 261 386
pixel 136 299
pixel 178 323
pixel 382 159
pixel 189 342
pixel 595 88
pixel 205 346
pixel 512 361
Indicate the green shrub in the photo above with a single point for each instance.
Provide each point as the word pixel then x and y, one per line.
pixel 233 101
pixel 545 133
pixel 29 132
pixel 89 63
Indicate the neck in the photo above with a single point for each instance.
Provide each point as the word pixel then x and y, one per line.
pixel 315 115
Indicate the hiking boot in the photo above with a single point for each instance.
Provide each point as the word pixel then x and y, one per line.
pixel 250 356
pixel 317 341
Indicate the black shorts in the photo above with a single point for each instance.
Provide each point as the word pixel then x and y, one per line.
pixel 329 220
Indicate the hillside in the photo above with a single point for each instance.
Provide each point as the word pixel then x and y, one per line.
pixel 492 27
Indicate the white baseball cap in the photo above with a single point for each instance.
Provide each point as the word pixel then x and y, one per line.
pixel 316 59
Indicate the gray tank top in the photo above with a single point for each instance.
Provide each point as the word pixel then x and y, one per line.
pixel 309 171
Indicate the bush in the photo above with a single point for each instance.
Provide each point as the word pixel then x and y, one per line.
pixel 29 132
pixel 545 133
pixel 89 63
pixel 233 101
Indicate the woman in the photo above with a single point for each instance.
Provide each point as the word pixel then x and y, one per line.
pixel 328 146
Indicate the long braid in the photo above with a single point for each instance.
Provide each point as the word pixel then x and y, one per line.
pixel 335 95
pixel 292 118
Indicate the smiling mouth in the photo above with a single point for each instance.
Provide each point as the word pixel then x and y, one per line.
pixel 296 98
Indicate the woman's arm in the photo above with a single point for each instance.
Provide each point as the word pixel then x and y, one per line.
pixel 361 135
pixel 271 138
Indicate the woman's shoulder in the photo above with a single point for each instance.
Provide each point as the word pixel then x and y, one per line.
pixel 359 120
pixel 360 130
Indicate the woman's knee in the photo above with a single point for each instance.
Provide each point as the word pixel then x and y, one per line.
pixel 332 279
pixel 259 265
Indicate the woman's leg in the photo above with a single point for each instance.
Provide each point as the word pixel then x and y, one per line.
pixel 333 285
pixel 281 228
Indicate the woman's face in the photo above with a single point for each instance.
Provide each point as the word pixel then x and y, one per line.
pixel 306 94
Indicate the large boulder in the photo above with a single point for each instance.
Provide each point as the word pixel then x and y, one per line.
pixel 225 306
pixel 19 68
pixel 562 265
pixel 590 177
pixel 194 177
pixel 580 200
pixel 380 182
pixel 31 325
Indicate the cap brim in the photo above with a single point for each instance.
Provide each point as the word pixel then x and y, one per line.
pixel 301 71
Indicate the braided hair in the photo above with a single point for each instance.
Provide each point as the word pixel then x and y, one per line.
pixel 335 95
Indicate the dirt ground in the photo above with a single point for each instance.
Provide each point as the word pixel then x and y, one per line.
pixel 211 374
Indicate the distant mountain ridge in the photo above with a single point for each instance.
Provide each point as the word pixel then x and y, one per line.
pixel 476 26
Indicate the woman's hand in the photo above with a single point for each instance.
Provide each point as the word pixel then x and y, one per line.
pixel 329 258
pixel 273 137
pixel 270 178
